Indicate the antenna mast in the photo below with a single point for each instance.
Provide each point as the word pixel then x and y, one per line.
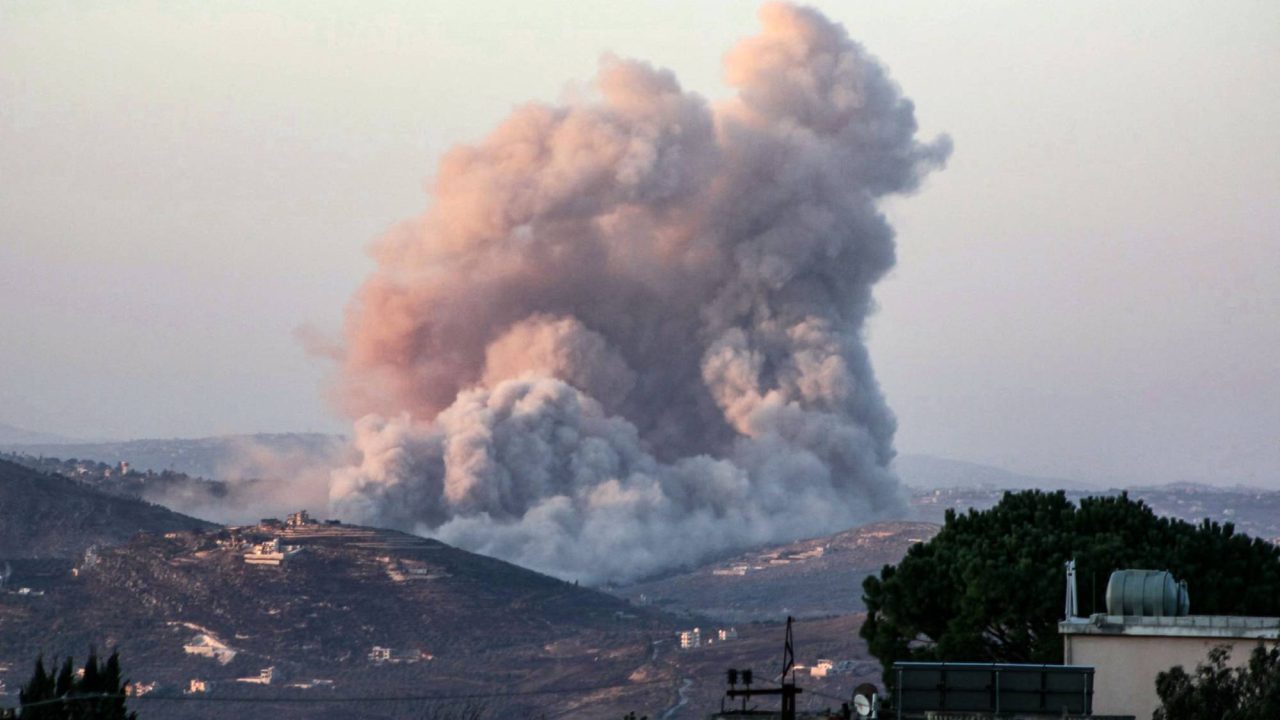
pixel 1072 604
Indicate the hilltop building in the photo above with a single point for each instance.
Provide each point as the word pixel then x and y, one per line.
pixel 271 552
pixel 299 519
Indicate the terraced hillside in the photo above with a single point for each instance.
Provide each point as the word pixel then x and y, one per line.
pixel 811 578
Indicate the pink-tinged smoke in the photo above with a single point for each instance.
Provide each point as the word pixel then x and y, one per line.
pixel 627 334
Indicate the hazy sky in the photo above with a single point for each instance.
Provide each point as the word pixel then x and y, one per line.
pixel 1090 289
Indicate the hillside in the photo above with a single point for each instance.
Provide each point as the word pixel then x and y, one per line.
pixel 454 621
pixel 810 578
pixel 50 516
pixel 13 435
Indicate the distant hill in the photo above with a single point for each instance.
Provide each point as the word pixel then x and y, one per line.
pixel 50 516
pixel 810 578
pixel 11 435
pixel 227 457
pixel 928 472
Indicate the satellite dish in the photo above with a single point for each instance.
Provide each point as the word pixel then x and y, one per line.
pixel 864 700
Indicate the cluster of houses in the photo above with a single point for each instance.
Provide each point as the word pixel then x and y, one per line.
pixel 273 551
pixel 266 676
pixel 690 639
pixel 771 559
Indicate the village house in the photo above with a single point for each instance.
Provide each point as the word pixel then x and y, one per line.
pixel 271 552
pixel 265 676
pixel 379 655
pixel 206 645
pixel 826 667
pixel 138 689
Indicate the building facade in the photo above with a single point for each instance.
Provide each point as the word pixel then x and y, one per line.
pixel 1130 651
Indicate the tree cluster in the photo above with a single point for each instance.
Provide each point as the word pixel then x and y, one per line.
pixel 1218 692
pixel 989 587
pixel 97 693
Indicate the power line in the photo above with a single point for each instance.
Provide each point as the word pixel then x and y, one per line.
pixel 350 699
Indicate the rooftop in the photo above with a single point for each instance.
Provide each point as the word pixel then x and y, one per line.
pixel 1199 626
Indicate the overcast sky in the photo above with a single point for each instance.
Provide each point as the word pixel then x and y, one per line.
pixel 1090 289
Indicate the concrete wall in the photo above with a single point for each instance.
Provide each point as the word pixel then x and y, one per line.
pixel 1126 666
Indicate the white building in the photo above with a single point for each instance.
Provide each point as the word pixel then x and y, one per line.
pixel 690 639
pixel 197 686
pixel 381 655
pixel 271 552
pixel 264 677
pixel 724 634
pixel 206 645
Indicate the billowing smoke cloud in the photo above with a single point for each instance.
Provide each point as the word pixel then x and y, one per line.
pixel 627 333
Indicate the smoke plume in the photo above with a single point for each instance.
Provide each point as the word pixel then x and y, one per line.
pixel 627 333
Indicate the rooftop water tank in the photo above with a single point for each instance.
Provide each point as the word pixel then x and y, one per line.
pixel 1146 593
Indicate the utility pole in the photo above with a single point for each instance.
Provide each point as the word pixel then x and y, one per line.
pixel 787 692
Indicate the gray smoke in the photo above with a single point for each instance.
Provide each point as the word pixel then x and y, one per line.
pixel 627 334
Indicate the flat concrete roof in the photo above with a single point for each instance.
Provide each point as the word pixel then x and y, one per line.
pixel 1189 626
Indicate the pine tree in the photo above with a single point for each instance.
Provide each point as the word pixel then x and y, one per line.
pixel 40 689
pixel 113 708
pixel 988 587
pixel 97 695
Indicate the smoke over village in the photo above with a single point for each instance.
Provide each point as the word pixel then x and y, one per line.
pixel 627 332
pixel 476 360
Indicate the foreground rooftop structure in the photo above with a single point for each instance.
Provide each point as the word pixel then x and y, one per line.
pixel 1130 651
